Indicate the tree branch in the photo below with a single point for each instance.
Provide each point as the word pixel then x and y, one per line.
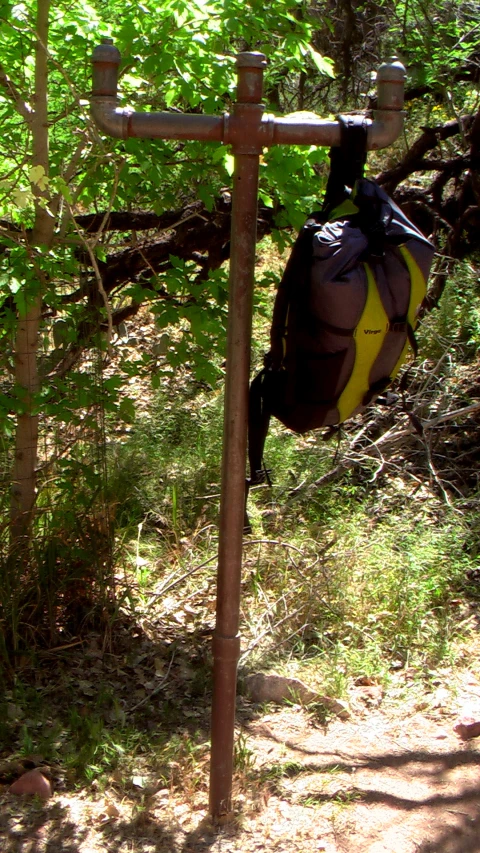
pixel 191 233
pixel 21 105
pixel 429 140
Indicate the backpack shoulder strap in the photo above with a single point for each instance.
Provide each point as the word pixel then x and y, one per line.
pixel 258 423
pixel 347 161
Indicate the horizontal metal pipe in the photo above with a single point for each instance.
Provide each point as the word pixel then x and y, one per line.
pixel 382 131
pixel 124 123
pixel 176 126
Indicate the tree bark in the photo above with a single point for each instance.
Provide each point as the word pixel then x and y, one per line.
pixel 23 491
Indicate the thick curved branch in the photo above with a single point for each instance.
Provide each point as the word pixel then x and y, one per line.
pixel 193 233
pixel 139 220
pixel 431 136
pixel 450 204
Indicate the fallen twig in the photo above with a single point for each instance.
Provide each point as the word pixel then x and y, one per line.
pixel 179 580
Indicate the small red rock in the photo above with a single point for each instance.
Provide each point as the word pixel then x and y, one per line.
pixel 33 782
pixel 467 728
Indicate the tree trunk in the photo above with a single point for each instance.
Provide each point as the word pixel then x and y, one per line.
pixel 26 343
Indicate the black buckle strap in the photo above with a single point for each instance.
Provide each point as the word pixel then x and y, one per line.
pixel 347 161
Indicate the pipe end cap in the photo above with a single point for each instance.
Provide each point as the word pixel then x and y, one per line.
pixel 107 52
pixel 392 71
pixel 251 59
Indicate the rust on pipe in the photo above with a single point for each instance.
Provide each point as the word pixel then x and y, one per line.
pixel 381 132
pixel 176 126
pixel 226 652
pixel 226 643
pixel 123 123
pixel 106 60
pixel 250 67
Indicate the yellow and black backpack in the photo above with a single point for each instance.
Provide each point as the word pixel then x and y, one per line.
pixel 346 307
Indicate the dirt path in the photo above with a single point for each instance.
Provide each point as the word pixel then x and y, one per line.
pixel 376 784
pixel 391 779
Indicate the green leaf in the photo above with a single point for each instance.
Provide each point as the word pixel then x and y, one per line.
pixel 229 161
pixel 61 186
pixel 205 194
pixel 14 284
pixel 38 177
pixel 22 197
pixel 177 263
pixel 21 303
pixel 126 410
pixel 324 65
pixel 266 200
pixel 113 383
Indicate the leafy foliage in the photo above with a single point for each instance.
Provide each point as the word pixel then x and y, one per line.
pixel 144 175
pixel 143 226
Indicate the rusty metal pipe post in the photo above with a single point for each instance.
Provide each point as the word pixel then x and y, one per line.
pixel 248 131
pixel 247 117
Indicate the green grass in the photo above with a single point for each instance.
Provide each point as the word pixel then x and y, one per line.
pixel 381 593
pixel 92 740
pixel 345 580
pixel 166 470
pixel 455 323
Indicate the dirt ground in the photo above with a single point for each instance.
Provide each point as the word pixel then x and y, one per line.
pixel 393 778
pixel 376 785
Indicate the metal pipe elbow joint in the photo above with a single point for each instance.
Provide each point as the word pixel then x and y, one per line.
pixel 385 128
pixel 106 113
pixel 388 115
pixel 109 118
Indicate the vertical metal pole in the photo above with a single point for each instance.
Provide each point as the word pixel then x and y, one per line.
pixel 226 642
